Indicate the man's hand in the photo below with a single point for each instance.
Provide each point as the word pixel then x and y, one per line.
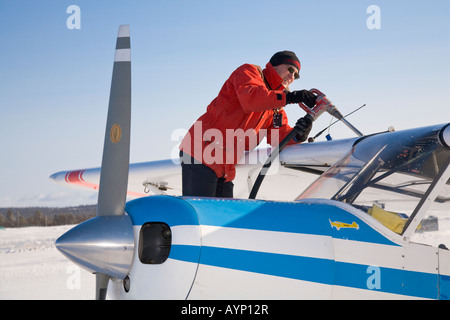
pixel 303 127
pixel 304 96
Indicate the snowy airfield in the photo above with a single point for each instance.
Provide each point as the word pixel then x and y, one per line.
pixel 31 268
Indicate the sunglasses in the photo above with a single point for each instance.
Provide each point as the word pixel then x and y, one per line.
pixel 292 70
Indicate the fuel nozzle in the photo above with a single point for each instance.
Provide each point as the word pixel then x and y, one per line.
pixel 324 104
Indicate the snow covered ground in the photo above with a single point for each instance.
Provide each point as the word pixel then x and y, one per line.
pixel 32 268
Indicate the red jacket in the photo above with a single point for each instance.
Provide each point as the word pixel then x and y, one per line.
pixel 238 119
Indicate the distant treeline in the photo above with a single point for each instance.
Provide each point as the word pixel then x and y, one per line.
pixel 42 216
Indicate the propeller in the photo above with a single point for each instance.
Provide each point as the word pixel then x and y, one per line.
pixel 104 245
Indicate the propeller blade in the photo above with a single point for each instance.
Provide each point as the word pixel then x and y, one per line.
pixel 116 148
pixel 112 191
pixel 101 285
pixel 104 245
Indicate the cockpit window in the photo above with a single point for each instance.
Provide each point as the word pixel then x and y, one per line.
pixel 388 175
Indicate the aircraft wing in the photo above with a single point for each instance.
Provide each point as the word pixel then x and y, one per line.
pixel 296 168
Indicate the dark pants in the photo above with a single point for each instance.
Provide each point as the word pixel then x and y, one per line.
pixel 201 181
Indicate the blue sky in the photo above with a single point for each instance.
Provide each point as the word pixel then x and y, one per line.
pixel 54 81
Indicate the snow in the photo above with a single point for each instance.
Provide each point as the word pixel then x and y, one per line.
pixel 32 268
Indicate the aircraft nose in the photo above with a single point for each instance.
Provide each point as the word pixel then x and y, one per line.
pixel 103 244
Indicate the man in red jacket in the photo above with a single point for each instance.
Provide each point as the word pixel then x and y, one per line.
pixel 248 108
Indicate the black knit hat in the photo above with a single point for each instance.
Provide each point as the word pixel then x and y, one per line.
pixel 285 57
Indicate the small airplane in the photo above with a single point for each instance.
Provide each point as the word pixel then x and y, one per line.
pixel 338 225
pixel 360 230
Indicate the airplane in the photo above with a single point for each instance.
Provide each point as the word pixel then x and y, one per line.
pixel 360 230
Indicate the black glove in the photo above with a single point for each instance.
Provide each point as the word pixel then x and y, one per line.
pixel 303 127
pixel 304 96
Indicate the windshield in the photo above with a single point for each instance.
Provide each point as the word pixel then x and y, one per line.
pixel 387 175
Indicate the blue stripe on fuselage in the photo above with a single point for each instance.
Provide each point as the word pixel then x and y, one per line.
pixel 324 271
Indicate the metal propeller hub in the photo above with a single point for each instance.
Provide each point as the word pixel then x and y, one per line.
pixel 101 245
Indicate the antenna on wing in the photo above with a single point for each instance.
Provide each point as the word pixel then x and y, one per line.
pixel 104 245
pixel 311 139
